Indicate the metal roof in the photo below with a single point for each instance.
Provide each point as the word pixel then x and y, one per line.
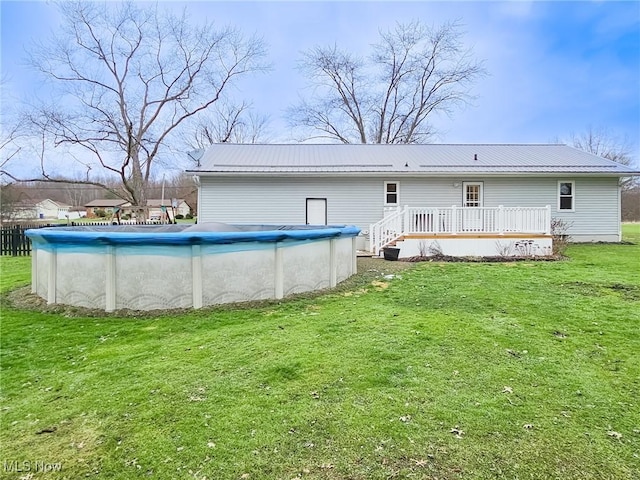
pixel 437 159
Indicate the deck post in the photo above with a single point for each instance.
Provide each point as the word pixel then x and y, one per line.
pixel 500 220
pixel 372 238
pixel 405 226
pixel 548 220
pixel 454 220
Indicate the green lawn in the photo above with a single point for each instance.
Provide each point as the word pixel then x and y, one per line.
pixel 524 370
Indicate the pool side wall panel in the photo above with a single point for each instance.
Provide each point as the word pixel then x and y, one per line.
pixel 89 293
pixel 345 255
pixel 145 282
pixel 237 276
pixel 306 267
pixel 42 257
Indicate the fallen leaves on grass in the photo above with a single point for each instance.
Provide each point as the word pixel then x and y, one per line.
pixel 457 431
pixel 507 389
pixel 615 435
pixel 379 286
pixel 198 396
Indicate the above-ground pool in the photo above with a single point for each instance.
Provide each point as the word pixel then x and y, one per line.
pixel 180 266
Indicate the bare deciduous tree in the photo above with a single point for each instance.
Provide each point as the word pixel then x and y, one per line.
pixel 600 141
pixel 227 123
pixel 603 143
pixel 412 73
pixel 128 77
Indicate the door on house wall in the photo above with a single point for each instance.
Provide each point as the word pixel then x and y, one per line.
pixel 472 201
pixel 316 211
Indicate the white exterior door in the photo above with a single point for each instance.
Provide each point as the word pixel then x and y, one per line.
pixel 316 211
pixel 472 200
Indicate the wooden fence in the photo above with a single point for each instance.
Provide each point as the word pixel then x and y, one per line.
pixel 14 242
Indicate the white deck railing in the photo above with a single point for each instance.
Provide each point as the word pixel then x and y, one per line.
pixel 459 221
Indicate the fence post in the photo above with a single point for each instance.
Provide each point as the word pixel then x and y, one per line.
pixel 15 237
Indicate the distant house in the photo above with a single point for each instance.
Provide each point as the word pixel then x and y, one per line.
pixel 407 195
pixel 50 209
pixel 180 207
pixel 106 205
pixel 154 207
pixel 22 210
pixel 46 209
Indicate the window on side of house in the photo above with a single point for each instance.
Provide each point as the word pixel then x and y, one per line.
pixel 391 193
pixel 566 196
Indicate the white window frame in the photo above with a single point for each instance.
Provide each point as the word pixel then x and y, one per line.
pixel 572 196
pixel 397 193
pixel 480 193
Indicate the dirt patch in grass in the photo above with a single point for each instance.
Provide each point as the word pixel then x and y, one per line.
pixel 626 291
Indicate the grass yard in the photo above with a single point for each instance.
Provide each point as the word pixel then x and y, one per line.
pixel 524 370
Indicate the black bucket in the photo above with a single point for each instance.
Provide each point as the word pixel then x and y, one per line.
pixel 391 253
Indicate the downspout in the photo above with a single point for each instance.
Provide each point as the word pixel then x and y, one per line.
pixel 196 180
pixel 619 211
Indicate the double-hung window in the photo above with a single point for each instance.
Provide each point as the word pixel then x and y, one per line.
pixel 391 193
pixel 566 196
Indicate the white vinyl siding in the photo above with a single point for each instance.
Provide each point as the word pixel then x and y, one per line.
pixel 282 200
pixel 360 200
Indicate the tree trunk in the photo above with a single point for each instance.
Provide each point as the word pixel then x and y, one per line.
pixel 138 188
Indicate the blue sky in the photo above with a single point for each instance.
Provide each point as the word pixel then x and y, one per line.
pixel 555 68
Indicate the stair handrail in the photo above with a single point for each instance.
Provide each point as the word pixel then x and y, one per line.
pixel 387 230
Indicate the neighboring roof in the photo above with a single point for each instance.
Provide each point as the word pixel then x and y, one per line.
pixel 159 203
pixel 106 202
pixel 57 204
pixel 24 204
pixel 433 159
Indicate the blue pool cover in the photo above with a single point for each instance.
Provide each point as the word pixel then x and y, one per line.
pixel 197 234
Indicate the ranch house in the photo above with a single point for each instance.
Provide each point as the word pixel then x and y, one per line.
pixel 460 199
